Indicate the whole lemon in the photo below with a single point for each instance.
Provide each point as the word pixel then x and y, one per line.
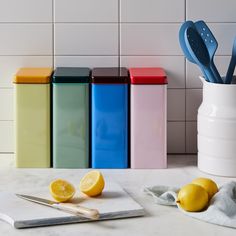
pixel 209 185
pixel 192 197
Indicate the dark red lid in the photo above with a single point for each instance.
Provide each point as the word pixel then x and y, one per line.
pixel 110 75
pixel 153 75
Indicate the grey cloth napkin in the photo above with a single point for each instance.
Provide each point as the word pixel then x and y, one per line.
pixel 221 209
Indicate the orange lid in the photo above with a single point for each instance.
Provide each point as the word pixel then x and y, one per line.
pixel 33 76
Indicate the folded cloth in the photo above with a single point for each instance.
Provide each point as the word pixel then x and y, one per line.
pixel 221 209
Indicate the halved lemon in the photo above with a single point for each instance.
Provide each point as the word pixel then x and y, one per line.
pixel 92 183
pixel 61 190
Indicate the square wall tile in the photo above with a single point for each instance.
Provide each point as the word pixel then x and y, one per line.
pixel 193 101
pixel 6 136
pixel 176 104
pixel 152 11
pixel 26 11
pixel 173 65
pixel 26 39
pixel 86 39
pixel 211 10
pixel 86 11
pixel 86 61
pixel 149 39
pixel 191 137
pixel 176 137
pixel 6 104
pixel 193 71
pixel 10 64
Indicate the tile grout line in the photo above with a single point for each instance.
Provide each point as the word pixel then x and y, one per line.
pixel 119 31
pixel 185 70
pixel 105 22
pixel 53 36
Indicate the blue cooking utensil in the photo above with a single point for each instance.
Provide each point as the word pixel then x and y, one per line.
pixel 211 44
pixel 230 71
pixel 183 28
pixel 199 52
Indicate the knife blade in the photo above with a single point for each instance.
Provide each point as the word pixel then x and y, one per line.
pixel 74 209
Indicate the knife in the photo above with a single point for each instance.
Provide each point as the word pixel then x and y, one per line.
pixel 77 210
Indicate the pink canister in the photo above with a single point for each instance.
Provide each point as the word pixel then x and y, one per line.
pixel 148 118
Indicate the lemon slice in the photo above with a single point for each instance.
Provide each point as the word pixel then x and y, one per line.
pixel 61 190
pixel 92 183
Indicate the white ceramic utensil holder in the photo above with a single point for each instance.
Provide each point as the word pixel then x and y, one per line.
pixel 217 129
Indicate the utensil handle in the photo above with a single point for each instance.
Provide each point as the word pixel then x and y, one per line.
pixel 78 210
pixel 210 75
pixel 216 73
pixel 230 71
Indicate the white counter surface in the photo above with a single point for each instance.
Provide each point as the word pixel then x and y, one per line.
pixel 159 220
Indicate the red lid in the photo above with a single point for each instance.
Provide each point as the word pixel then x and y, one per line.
pixel 152 75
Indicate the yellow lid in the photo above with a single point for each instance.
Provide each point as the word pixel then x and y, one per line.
pixel 33 76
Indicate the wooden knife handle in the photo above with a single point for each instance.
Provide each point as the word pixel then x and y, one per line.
pixel 77 210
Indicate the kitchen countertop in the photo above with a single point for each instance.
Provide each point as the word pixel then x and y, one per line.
pixel 159 220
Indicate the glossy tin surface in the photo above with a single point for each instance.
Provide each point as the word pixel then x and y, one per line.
pixel 33 76
pixel 71 118
pixel 32 118
pixel 71 75
pixel 110 125
pixel 110 75
pixel 148 118
pixel 152 75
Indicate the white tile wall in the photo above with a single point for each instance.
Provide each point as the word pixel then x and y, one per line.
pixel 86 39
pixel 176 104
pixel 137 33
pixel 193 101
pixel 87 61
pixel 211 10
pixel 86 11
pixel 26 11
pixel 191 137
pixel 6 101
pixel 152 11
pixel 149 39
pixel 176 137
pixel 26 39
pixel 6 136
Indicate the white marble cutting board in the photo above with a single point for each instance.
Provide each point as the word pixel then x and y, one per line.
pixel 114 203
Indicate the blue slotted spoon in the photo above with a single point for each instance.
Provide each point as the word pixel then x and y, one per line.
pixel 211 45
pixel 184 26
pixel 199 52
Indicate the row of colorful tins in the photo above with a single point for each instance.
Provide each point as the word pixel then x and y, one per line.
pixel 79 118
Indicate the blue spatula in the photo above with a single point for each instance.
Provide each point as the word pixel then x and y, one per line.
pixel 199 52
pixel 184 26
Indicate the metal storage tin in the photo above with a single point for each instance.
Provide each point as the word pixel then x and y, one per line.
pixel 110 118
pixel 148 118
pixel 71 117
pixel 32 117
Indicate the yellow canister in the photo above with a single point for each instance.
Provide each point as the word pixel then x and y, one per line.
pixel 32 117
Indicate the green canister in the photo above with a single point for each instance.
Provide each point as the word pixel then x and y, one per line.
pixel 71 117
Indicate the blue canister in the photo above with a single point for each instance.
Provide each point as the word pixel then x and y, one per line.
pixel 109 118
